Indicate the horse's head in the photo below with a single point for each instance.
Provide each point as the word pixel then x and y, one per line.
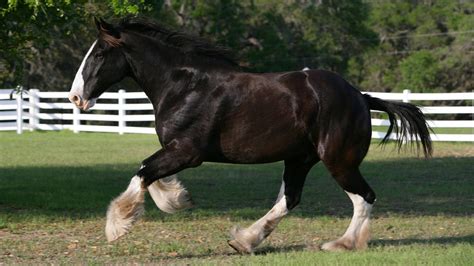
pixel 104 65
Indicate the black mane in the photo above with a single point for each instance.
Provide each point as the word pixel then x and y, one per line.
pixel 184 42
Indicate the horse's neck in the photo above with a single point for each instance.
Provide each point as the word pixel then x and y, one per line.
pixel 148 75
pixel 174 83
pixel 172 73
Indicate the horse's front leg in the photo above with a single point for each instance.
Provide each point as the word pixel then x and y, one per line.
pixel 167 193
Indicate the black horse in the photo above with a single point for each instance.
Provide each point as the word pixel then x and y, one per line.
pixel 208 110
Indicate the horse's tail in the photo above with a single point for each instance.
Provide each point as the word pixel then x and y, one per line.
pixel 413 123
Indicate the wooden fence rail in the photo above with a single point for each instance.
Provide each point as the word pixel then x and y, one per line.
pixel 38 110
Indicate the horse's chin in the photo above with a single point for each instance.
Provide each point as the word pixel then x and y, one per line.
pixel 88 104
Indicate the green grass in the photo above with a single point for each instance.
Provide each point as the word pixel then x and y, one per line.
pixel 55 188
pixel 436 130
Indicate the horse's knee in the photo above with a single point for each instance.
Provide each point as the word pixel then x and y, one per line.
pixel 148 173
pixel 168 161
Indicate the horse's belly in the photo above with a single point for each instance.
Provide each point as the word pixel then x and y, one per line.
pixel 268 123
pixel 262 143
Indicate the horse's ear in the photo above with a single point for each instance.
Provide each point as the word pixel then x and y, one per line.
pixel 108 32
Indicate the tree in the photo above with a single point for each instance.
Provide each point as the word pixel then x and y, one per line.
pixel 378 45
pixel 29 28
pixel 283 35
pixel 422 44
pixel 43 42
pixel 418 72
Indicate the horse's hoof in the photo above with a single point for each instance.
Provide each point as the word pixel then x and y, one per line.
pixel 237 246
pixel 113 235
pixel 116 227
pixel 337 245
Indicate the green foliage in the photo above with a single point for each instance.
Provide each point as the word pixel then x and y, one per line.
pixel 127 7
pixel 424 46
pixel 29 27
pixel 418 72
pixel 377 45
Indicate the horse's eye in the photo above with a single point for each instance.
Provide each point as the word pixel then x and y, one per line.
pixel 99 55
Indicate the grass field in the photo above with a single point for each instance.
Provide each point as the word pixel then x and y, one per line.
pixel 55 188
pixel 436 130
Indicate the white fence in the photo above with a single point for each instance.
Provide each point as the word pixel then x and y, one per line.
pixel 52 111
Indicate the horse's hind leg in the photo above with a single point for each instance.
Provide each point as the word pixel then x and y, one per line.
pixel 245 240
pixel 363 197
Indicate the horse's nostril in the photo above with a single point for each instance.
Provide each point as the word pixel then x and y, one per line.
pixel 76 99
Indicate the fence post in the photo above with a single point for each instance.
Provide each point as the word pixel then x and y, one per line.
pixel 121 111
pixel 19 113
pixel 76 122
pixel 406 96
pixel 34 109
pixel 406 99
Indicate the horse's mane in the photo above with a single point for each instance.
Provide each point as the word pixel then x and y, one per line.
pixel 184 42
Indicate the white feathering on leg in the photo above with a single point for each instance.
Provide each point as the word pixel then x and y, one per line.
pixel 125 210
pixel 357 234
pixel 245 240
pixel 169 194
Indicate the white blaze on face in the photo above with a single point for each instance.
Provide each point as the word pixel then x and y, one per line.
pixel 76 94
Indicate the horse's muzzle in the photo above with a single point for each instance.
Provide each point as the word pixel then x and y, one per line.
pixel 81 103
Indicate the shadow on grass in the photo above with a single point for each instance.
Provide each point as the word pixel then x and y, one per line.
pixel 284 249
pixel 258 252
pixel 411 186
pixel 469 239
